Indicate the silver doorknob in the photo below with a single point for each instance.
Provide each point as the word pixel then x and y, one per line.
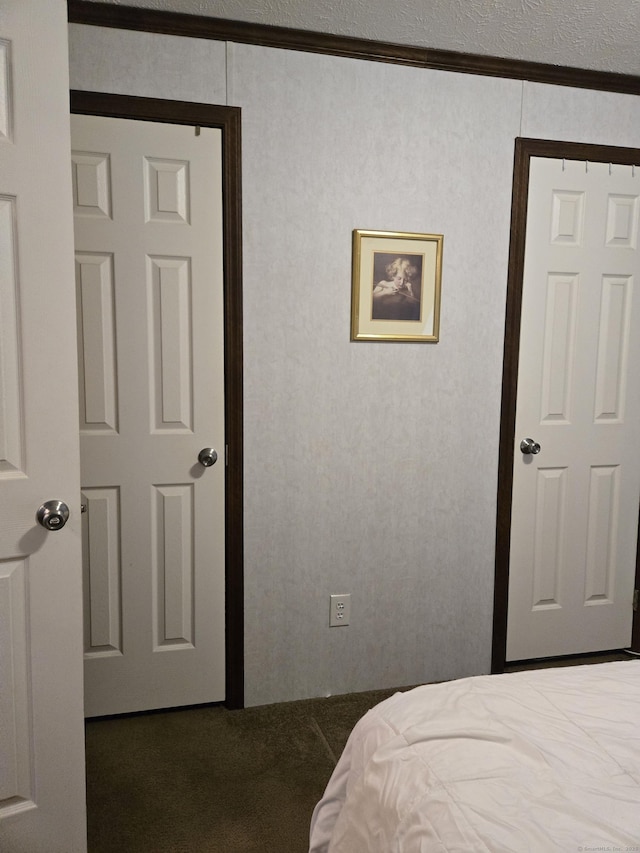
pixel 53 515
pixel 528 445
pixel 207 457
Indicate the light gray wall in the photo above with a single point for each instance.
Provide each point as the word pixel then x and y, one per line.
pixel 369 468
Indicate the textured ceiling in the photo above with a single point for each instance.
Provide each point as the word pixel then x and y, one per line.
pixel 603 35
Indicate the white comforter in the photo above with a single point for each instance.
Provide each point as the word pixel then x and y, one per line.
pixel 534 761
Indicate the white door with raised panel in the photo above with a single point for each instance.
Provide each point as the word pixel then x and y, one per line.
pixel 42 788
pixel 576 485
pixel 148 236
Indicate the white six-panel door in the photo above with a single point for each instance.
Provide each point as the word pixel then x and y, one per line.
pixel 575 503
pixel 42 802
pixel 148 233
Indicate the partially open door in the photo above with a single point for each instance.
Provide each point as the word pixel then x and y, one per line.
pixel 42 802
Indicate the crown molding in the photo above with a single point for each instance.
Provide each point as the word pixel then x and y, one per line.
pixel 220 29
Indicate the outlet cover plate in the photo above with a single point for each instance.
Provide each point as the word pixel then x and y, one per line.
pixel 340 610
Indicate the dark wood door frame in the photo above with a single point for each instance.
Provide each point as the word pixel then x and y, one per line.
pixel 227 119
pixel 525 149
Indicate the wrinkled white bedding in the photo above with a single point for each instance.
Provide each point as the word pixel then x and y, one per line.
pixel 536 761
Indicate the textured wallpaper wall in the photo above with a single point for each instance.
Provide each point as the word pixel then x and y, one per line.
pixel 369 468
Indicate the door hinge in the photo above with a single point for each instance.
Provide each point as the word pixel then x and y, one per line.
pixel 226 455
pixel 636 598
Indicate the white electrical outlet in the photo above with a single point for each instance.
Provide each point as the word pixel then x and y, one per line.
pixel 340 610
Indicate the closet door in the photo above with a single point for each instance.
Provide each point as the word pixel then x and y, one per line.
pixel 576 473
pixel 149 274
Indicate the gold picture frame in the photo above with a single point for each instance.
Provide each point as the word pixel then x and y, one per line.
pixel 395 292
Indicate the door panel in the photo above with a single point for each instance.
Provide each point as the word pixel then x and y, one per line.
pixel 148 226
pixel 575 504
pixel 41 725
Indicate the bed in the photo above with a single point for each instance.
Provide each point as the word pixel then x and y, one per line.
pixel 538 761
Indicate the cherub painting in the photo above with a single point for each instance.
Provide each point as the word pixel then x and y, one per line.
pixel 397 286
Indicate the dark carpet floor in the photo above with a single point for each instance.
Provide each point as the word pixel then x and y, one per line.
pixel 209 780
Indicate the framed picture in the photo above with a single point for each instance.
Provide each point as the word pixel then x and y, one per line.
pixel 396 286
